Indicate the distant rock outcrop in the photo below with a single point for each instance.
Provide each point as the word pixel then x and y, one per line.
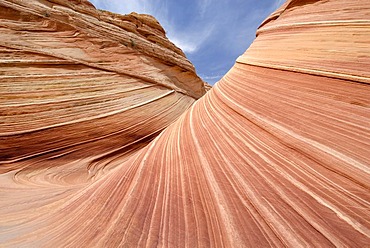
pixel 275 155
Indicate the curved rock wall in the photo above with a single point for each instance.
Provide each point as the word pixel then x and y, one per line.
pixel 275 155
pixel 78 81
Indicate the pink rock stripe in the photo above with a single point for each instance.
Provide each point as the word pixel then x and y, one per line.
pixel 275 155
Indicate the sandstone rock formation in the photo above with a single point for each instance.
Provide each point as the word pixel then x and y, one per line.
pixel 276 154
pixel 68 71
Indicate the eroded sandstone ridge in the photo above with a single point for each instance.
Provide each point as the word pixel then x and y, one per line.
pixel 68 71
pixel 276 154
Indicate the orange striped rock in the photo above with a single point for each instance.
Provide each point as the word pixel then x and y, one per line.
pixel 275 155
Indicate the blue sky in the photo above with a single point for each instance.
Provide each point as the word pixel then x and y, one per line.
pixel 212 33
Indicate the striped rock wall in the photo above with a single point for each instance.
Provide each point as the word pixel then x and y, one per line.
pixel 275 155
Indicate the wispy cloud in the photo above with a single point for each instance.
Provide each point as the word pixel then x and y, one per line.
pixel 211 77
pixel 278 3
pixel 203 5
pixel 190 41
pixel 140 6
pixel 186 46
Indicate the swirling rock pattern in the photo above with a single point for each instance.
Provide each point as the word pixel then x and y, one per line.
pixel 69 70
pixel 276 154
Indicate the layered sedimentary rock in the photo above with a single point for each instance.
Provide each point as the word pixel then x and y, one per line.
pixel 69 71
pixel 276 154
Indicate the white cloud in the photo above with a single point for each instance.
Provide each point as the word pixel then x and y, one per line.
pixel 190 40
pixel 212 77
pixel 187 47
pixel 203 5
pixel 140 6
pixel 278 3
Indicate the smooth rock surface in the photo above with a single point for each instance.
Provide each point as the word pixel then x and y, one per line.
pixel 275 155
pixel 68 71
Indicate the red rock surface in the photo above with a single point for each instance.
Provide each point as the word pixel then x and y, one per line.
pixel 68 71
pixel 276 154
